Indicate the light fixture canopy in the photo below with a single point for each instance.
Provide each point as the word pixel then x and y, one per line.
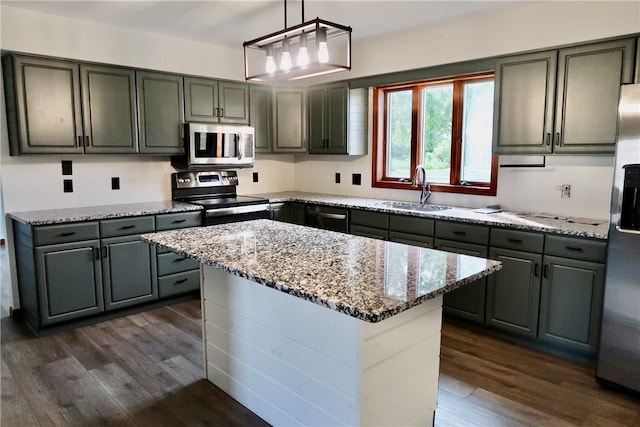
pixel 309 49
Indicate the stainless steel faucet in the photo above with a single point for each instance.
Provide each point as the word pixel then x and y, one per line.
pixel 426 186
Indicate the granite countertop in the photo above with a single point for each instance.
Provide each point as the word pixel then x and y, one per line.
pixel 578 227
pixel 365 278
pixel 61 216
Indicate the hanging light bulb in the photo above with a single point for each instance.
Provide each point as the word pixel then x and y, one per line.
pixel 323 50
pixel 285 58
pixel 303 53
pixel 271 61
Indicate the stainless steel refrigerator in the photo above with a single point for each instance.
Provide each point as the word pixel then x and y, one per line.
pixel 619 354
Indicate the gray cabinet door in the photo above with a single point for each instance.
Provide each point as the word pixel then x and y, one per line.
pixel 43 106
pixel 589 79
pixel 201 100
pixel 290 130
pixel 233 103
pixel 160 112
pixel 513 293
pixel 571 303
pixel 109 109
pixel 261 108
pixel 523 103
pixel 69 281
pixel 317 120
pixel 337 108
pixel 128 270
pixel 467 302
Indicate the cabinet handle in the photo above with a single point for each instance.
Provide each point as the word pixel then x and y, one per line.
pixel 548 139
pixel 79 141
pixel 460 233
pixel 105 251
pixel 178 282
pixel 545 271
pixel 216 112
pixel 222 112
pixel 514 240
pixel 96 252
pixel 179 259
pixel 67 234
pixel 573 248
pixel 178 221
pixel 127 227
pixel 557 138
pixel 536 270
pixel 86 141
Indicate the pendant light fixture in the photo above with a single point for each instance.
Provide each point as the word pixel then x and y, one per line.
pixel 305 50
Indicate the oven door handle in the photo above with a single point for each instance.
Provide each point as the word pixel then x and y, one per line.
pixel 212 213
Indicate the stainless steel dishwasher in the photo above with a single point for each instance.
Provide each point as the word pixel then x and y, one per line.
pixel 328 218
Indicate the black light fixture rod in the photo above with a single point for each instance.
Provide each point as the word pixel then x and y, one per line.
pixel 285 14
pixel 302 10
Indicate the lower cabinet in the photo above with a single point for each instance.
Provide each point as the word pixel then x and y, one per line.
pixel 69 281
pixel 128 272
pixel 571 303
pixel 369 224
pixel 176 274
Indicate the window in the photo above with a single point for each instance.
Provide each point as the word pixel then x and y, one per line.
pixel 445 125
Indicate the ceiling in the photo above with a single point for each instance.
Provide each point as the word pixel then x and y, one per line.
pixel 231 22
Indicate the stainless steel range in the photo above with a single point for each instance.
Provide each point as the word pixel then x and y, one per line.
pixel 216 192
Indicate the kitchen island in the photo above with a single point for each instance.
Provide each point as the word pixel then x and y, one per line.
pixel 312 327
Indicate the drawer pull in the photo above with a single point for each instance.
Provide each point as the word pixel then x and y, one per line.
pixel 96 253
pixel 536 270
pixel 514 240
pixel 127 227
pixel 545 271
pixel 573 248
pixel 179 259
pixel 178 221
pixel 67 234
pixel 179 282
pixel 460 233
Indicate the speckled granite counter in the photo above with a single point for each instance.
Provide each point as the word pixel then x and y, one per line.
pixel 364 278
pixel 520 221
pixel 61 216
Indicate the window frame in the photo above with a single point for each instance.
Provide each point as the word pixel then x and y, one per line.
pixel 379 133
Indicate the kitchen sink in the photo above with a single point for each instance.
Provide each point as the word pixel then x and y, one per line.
pixel 416 206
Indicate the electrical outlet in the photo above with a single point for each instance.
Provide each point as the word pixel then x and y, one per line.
pixel 356 179
pixel 255 176
pixel 565 191
pixel 337 177
pixel 115 183
pixel 67 185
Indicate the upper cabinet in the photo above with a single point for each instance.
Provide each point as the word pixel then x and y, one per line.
pixel 62 107
pixel 337 120
pixel 562 101
pixel 213 101
pixel 261 117
pixel 160 112
pixel 290 120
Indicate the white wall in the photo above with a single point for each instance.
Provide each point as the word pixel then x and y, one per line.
pixel 536 26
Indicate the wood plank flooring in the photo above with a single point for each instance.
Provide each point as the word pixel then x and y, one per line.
pixel 146 369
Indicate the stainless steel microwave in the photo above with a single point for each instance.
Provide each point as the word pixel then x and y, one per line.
pixel 211 146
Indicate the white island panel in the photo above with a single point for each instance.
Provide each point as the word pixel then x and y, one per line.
pixel 297 363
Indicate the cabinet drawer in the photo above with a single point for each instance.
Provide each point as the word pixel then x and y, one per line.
pixel 411 224
pixel 126 226
pixel 370 219
pixel 179 283
pixel 518 240
pixel 462 232
pixel 169 263
pixel 178 220
pixel 411 239
pixel 568 247
pixel 374 233
pixel 63 233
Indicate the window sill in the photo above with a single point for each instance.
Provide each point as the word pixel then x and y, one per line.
pixel 440 188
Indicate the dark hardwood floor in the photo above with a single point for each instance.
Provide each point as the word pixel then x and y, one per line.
pixel 146 369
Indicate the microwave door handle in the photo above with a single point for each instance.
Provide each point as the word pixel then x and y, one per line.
pixel 240 146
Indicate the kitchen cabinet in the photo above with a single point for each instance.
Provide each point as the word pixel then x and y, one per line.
pixel 337 120
pixel 216 101
pixel 261 117
pixel 369 224
pixel 467 302
pixel 561 101
pixel 513 293
pixel 327 217
pixel 64 107
pixel 411 230
pixel 128 264
pixel 572 293
pixel 290 120
pixel 291 212
pixel 160 99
